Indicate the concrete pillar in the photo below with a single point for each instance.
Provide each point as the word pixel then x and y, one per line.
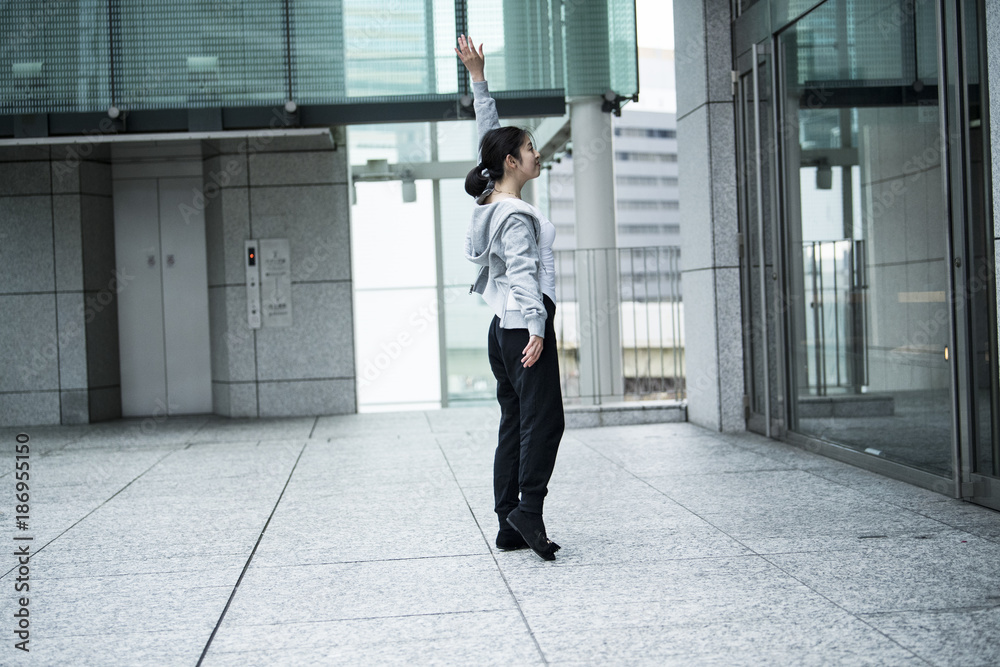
pixel 706 137
pixel 295 188
pixel 589 77
pixel 58 288
pixel 597 291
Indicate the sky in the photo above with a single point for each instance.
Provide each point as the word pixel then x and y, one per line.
pixel 655 23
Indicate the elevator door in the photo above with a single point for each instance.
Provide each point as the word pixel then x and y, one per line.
pixel 163 306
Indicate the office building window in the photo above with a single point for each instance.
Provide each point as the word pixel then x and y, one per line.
pixel 669 181
pixel 627 156
pixel 645 132
pixel 647 205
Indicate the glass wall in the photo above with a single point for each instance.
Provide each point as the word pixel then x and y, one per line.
pixel 87 56
pixel 405 317
pixel 393 256
pixel 867 231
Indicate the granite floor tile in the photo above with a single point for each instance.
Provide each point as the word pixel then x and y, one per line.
pixel 711 584
pixel 680 546
pixel 140 433
pixel 924 575
pixel 371 527
pixel 364 425
pixel 487 638
pixel 770 490
pixel 221 429
pixel 203 463
pixel 472 422
pixel 301 593
pixel 819 524
pixel 107 605
pixel 60 562
pixel 961 637
pixel 71 473
pixel 41 439
pixel 688 457
pixel 153 648
pixel 837 639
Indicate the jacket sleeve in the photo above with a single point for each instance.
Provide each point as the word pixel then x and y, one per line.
pixel 486 109
pixel 520 254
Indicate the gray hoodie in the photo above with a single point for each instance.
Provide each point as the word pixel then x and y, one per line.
pixel 502 239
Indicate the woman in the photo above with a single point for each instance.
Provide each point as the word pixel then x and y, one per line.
pixel 512 241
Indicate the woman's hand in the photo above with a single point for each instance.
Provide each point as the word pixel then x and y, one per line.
pixel 474 62
pixel 532 351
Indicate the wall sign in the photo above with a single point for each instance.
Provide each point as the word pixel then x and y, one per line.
pixel 275 283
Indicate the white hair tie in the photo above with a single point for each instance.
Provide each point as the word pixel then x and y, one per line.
pixel 485 172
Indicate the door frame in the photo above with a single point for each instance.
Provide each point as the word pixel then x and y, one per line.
pixel 953 25
pixel 770 422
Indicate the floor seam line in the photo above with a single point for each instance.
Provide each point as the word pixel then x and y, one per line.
pixel 848 612
pixel 246 565
pixel 105 502
pixel 531 633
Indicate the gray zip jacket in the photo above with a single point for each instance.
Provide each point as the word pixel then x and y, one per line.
pixel 502 239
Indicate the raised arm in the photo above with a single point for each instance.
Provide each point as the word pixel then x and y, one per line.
pixel 486 109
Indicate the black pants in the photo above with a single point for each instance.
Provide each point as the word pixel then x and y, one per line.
pixel 531 417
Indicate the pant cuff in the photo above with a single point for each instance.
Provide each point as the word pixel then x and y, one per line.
pixel 530 504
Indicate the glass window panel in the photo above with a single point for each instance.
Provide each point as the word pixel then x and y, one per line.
pixel 318 51
pixel 144 54
pixel 392 241
pixel 386 48
pixel 867 264
pixel 622 52
pixel 397 349
pixel 199 54
pixel 467 323
pixel 54 56
pixel 456 212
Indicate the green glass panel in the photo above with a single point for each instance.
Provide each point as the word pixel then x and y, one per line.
pixel 200 54
pixel 622 53
pixel 53 56
pixel 146 54
pixel 601 47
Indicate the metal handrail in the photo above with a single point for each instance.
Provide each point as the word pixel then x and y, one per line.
pixel 835 278
pixel 649 313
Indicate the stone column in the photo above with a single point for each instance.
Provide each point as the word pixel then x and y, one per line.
pixel 706 134
pixel 58 286
pixel 597 285
pixel 597 288
pixel 281 187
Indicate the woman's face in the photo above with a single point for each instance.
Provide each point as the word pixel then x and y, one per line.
pixel 530 163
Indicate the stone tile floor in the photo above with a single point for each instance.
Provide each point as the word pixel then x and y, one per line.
pixel 368 539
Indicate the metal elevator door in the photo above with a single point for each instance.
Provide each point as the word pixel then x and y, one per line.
pixel 163 304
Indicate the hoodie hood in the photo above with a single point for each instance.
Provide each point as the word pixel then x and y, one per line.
pixel 488 220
